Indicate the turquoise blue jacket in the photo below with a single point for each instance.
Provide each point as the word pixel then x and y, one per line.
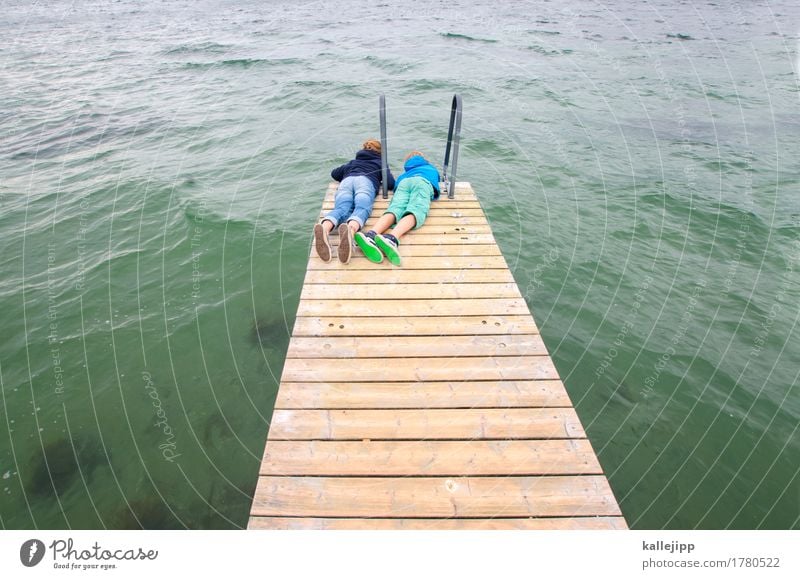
pixel 417 166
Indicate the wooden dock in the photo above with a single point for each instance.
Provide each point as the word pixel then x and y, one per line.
pixel 423 397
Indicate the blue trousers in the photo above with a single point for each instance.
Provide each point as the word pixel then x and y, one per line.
pixel 353 200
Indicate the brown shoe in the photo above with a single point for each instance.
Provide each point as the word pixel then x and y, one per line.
pixel 321 243
pixel 345 243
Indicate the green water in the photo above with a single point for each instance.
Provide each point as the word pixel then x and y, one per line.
pixel 161 166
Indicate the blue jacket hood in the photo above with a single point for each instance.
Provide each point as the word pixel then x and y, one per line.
pixel 414 162
pixel 417 166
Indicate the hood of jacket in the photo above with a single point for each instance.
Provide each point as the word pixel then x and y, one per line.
pixel 414 162
pixel 418 166
pixel 367 155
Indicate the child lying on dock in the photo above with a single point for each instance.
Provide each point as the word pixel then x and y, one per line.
pixel 413 192
pixel 359 179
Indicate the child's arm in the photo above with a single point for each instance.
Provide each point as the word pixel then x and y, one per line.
pixel 390 179
pixel 435 184
pixel 338 173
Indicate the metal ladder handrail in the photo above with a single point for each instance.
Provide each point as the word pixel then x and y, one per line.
pixel 453 139
pixel 384 147
pixel 453 142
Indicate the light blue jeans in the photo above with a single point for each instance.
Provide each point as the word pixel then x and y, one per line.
pixel 353 200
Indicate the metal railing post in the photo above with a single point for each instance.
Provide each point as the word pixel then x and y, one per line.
pixel 453 140
pixel 384 147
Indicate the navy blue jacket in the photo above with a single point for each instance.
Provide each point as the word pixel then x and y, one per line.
pixel 367 163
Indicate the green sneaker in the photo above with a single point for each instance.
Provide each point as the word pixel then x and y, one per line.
pixel 367 244
pixel 388 245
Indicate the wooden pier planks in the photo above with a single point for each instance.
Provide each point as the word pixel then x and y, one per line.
pixel 423 397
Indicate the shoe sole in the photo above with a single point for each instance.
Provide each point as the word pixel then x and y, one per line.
pixel 390 252
pixel 370 250
pixel 345 243
pixel 321 243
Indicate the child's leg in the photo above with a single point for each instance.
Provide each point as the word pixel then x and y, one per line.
pixel 342 204
pixel 367 242
pixel 364 199
pixel 417 209
pixel 342 207
pixel 413 216
pixel 396 209
pixel 385 222
pixel 406 224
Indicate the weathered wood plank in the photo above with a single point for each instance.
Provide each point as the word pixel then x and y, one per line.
pixel 440 250
pixel 519 524
pixel 394 275
pixel 462 195
pixel 421 369
pixel 420 326
pixel 463 191
pixel 422 237
pixel 450 220
pixel 409 291
pixel 448 209
pixel 467 394
pixel 429 458
pixel 472 250
pixel 354 348
pixel 482 262
pixel 450 229
pixel 428 424
pixel 552 496
pixel 403 307
pixel 381 203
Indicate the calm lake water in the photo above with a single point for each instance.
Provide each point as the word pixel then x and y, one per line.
pixel 161 166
